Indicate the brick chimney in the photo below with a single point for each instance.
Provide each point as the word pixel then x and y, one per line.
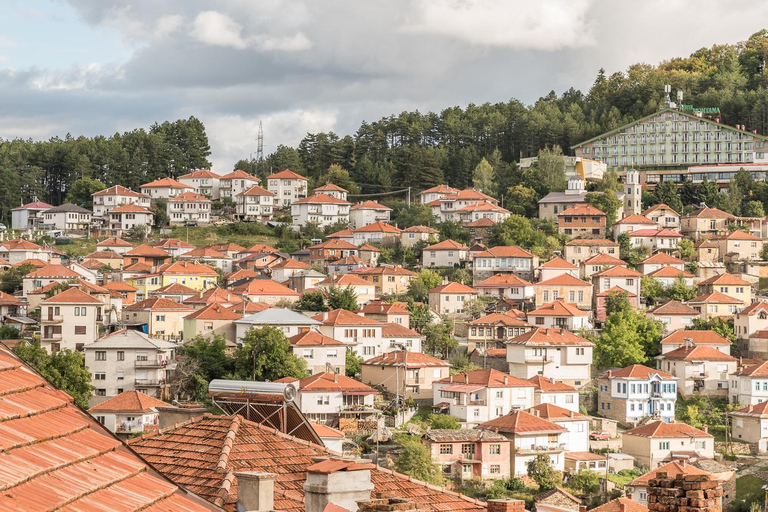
pixel 388 505
pixel 705 428
pixel 337 481
pixel 684 493
pixel 255 491
pixel 506 505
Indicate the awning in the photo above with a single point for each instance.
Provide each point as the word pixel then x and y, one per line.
pixel 463 388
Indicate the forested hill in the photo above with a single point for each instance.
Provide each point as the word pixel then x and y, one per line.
pixel 411 149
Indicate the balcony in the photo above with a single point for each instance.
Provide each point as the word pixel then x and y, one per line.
pixel 151 364
pixel 149 383
pixel 53 319
pixel 539 359
pixel 126 427
pixel 699 375
pixel 536 449
pixel 477 402
pixel 51 337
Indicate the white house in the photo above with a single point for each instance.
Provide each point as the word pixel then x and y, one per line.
pixel 189 208
pixel 255 203
pixel 164 188
pixel 367 212
pixel 324 397
pixel 129 413
pixel 319 209
pixel 451 298
pixel 554 353
pixel 332 190
pixel 550 391
pixel 659 260
pixel 505 286
pixel 67 217
pixel 123 218
pixel 288 321
pixel 477 396
pixel 559 314
pixel 447 253
pixel 749 385
pixel 288 187
pixel 203 182
pixel 664 216
pixel 105 200
pixel 29 216
pixel 631 394
pixel 363 335
pixel 70 320
pixel 319 351
pixel 576 439
pixel 236 182
pixel 664 240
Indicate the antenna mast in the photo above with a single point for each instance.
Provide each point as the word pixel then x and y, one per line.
pixel 260 150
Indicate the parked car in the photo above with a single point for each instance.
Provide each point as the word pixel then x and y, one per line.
pixel 600 436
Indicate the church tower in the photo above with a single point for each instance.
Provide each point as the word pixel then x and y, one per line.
pixel 633 201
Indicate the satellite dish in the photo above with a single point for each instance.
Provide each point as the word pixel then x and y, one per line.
pixel 289 393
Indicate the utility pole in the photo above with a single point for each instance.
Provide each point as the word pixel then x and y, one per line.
pixel 408 201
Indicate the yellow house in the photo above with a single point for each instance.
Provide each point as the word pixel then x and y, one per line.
pixel 194 275
pixel 158 317
pixel 716 304
pixel 745 246
pixel 730 285
pixel 571 289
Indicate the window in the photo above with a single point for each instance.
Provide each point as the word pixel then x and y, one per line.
pixel 101 355
pixel 160 318
pixel 100 376
pixel 495 469
pixel 100 419
pixel 120 375
pixel 80 330
pixel 120 355
pixel 446 449
pixel 664 445
pixel 494 449
pixel 468 450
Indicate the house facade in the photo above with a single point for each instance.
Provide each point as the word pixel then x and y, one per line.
pixel 631 394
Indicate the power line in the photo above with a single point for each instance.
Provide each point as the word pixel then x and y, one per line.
pixel 394 192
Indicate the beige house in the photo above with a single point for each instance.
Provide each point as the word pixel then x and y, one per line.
pixel 684 338
pixel 566 287
pixel 700 370
pixel 750 424
pixel 716 304
pixel 161 318
pixel 322 353
pixel 46 275
pixel 598 263
pixel 491 331
pixel 749 385
pixel 212 320
pixel 658 261
pixel 255 203
pixel 556 267
pixel 622 277
pixel 367 212
pixel 129 360
pixel 415 234
pixel 707 251
pixel 664 216
pixel 658 442
pixel 739 245
pixel 730 285
pixel 559 314
pixel 287 186
pixel 505 286
pixel 553 353
pixel 447 253
pixel 580 250
pixel 405 373
pixel 547 390
pixel 70 320
pixel 387 312
pixel 705 222
pixel 364 290
pixel 751 319
pixel 632 223
pixel 673 315
pixel 451 298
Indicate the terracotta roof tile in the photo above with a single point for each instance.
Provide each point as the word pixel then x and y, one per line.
pixel 487 377
pixel 555 413
pixel 521 422
pixel 214 312
pixel 414 359
pixel 636 219
pixel 618 271
pixel 157 304
pixel 214 296
pixel 674 307
pixel 189 197
pixel 621 505
pixel 725 280
pixel 582 209
pixel 507 318
pixel 672 469
pixel 714 298
pixel 286 175
pixel 504 251
pixel 592 242
pixel 265 287
pixel 72 296
pixel 114 242
pixel 344 317
pixel 129 401
pixel 129 208
pixel 204 253
pixel 256 191
pixel 663 258
pixel 659 207
pixel 343 280
pixel 502 280
pixel 453 287
pixel 661 429
pixel 697 353
pixel 670 271
pixel 698 337
pixel 378 227
pixel 760 409
pixel 549 337
pixel 636 371
pixel 313 339
pixel 482 222
pixel 557 308
pixel 421 229
pixel 119 190
pixel 447 245
pixel 558 263
pixel 239 175
pixel 145 250
pixel 652 233
pixel 53 271
pixel 563 280
pixel 616 290
pixel 709 213
pixel 165 182
pixel 549 385
pixel 200 173
pixel 187 268
pixel 321 199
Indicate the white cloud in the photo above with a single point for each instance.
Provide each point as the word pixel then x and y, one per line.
pixel 169 24
pixel 217 29
pixel 539 25
pixel 233 137
pixel 76 77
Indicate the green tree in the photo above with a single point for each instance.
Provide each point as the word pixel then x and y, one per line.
pixel 609 183
pixel 443 421
pixel 586 481
pixel 483 178
pixel 680 291
pixel 12 279
pixel 9 332
pixel 416 461
pixel 311 301
pixel 461 275
pixel 425 280
pixel 421 316
pixel 541 470
pixel 519 231
pixel 723 327
pixel 210 354
pixel 455 230
pixel 753 209
pixel 606 202
pixel 82 190
pixel 550 169
pixel 354 364
pixel 439 338
pixel 340 176
pixel 65 370
pixel 460 363
pixel 686 248
pixel 628 337
pixel 342 298
pixel 521 200
pixel 160 209
pixel 666 193
pixel 651 288
pixel 265 354
pixel 709 192
pixel 764 253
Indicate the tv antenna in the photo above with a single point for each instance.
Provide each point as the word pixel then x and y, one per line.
pixel 260 150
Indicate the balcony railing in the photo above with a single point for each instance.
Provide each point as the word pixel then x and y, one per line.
pixel 477 402
pixel 539 359
pixel 700 375
pixel 55 319
pixel 130 426
pixel 151 364
pixel 149 383
pixel 51 337
pixel 551 447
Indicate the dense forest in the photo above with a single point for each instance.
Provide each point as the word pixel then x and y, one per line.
pixel 411 149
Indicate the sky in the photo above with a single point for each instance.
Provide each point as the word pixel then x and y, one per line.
pixel 91 67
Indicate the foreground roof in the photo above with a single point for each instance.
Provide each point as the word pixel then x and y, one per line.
pixel 58 457
pixel 549 337
pixel 672 469
pixel 413 360
pixel 203 454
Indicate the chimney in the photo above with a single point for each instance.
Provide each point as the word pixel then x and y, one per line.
pixel 582 508
pixel 336 378
pixel 622 506
pixel 337 481
pixel 506 505
pixel 466 378
pixel 705 428
pixel 692 493
pixel 506 380
pixel 255 491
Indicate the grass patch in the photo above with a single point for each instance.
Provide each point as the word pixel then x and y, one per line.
pixel 245 234
pixel 748 486
pixel 763 283
pixel 624 476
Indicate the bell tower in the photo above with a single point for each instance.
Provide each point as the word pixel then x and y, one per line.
pixel 633 201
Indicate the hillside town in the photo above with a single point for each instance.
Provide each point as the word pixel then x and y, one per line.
pixel 573 359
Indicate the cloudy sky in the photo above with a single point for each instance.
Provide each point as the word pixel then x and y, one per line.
pixel 100 66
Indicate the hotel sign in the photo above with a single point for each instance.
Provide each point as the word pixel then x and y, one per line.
pixel 700 110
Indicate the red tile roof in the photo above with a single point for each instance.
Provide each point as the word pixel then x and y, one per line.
pixel 670 271
pixel 440 189
pixel 145 250
pixel 754 308
pixel 674 307
pixel 313 339
pixel 697 353
pixel 414 360
pixel 618 271
pixel 555 413
pixel 736 235
pixel 256 191
pixel 559 263
pixel 265 287
pixel 715 298
pixel 200 173
pixel 53 271
pixel 187 268
pixel 331 186
pixel 129 208
pixel 58 457
pixel 189 197
pixel 114 242
pixel 119 190
pixel 659 207
pixel 379 307
pixel 421 229
pixel 502 280
pixel 326 431
pixel 214 296
pixel 482 222
pixel 19 244
pixel 259 248
pixel 157 304
pixel 563 280
pixel 165 182
pixel 549 337
pixel 636 371
pixel 327 381
pixel 487 377
pixel 592 241
pixel 129 401
pixel 453 287
pixel 72 296
pixel 287 175
pixel 710 213
pixel 321 199
pixel 549 385
pixel 661 429
pixel 665 233
pixel 698 337
pixel 557 308
pixel 203 453
pixel 615 290
pixel 344 317
pixel 34 205
pixel 334 243
pixel 760 409
pixel 582 209
pixel 378 227
pixel 384 270
pixel 214 312
pixel 239 175
pixel 725 280
pixel 621 505
pixel 635 219
pixel 521 422
pixel 343 280
pixel 663 258
pixel 507 318
pixel 672 469
pixel 447 245
pixel 204 253
pixel 175 289
pixel 393 330
pixel 504 251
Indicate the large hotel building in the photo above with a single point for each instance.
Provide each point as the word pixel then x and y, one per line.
pixel 674 145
